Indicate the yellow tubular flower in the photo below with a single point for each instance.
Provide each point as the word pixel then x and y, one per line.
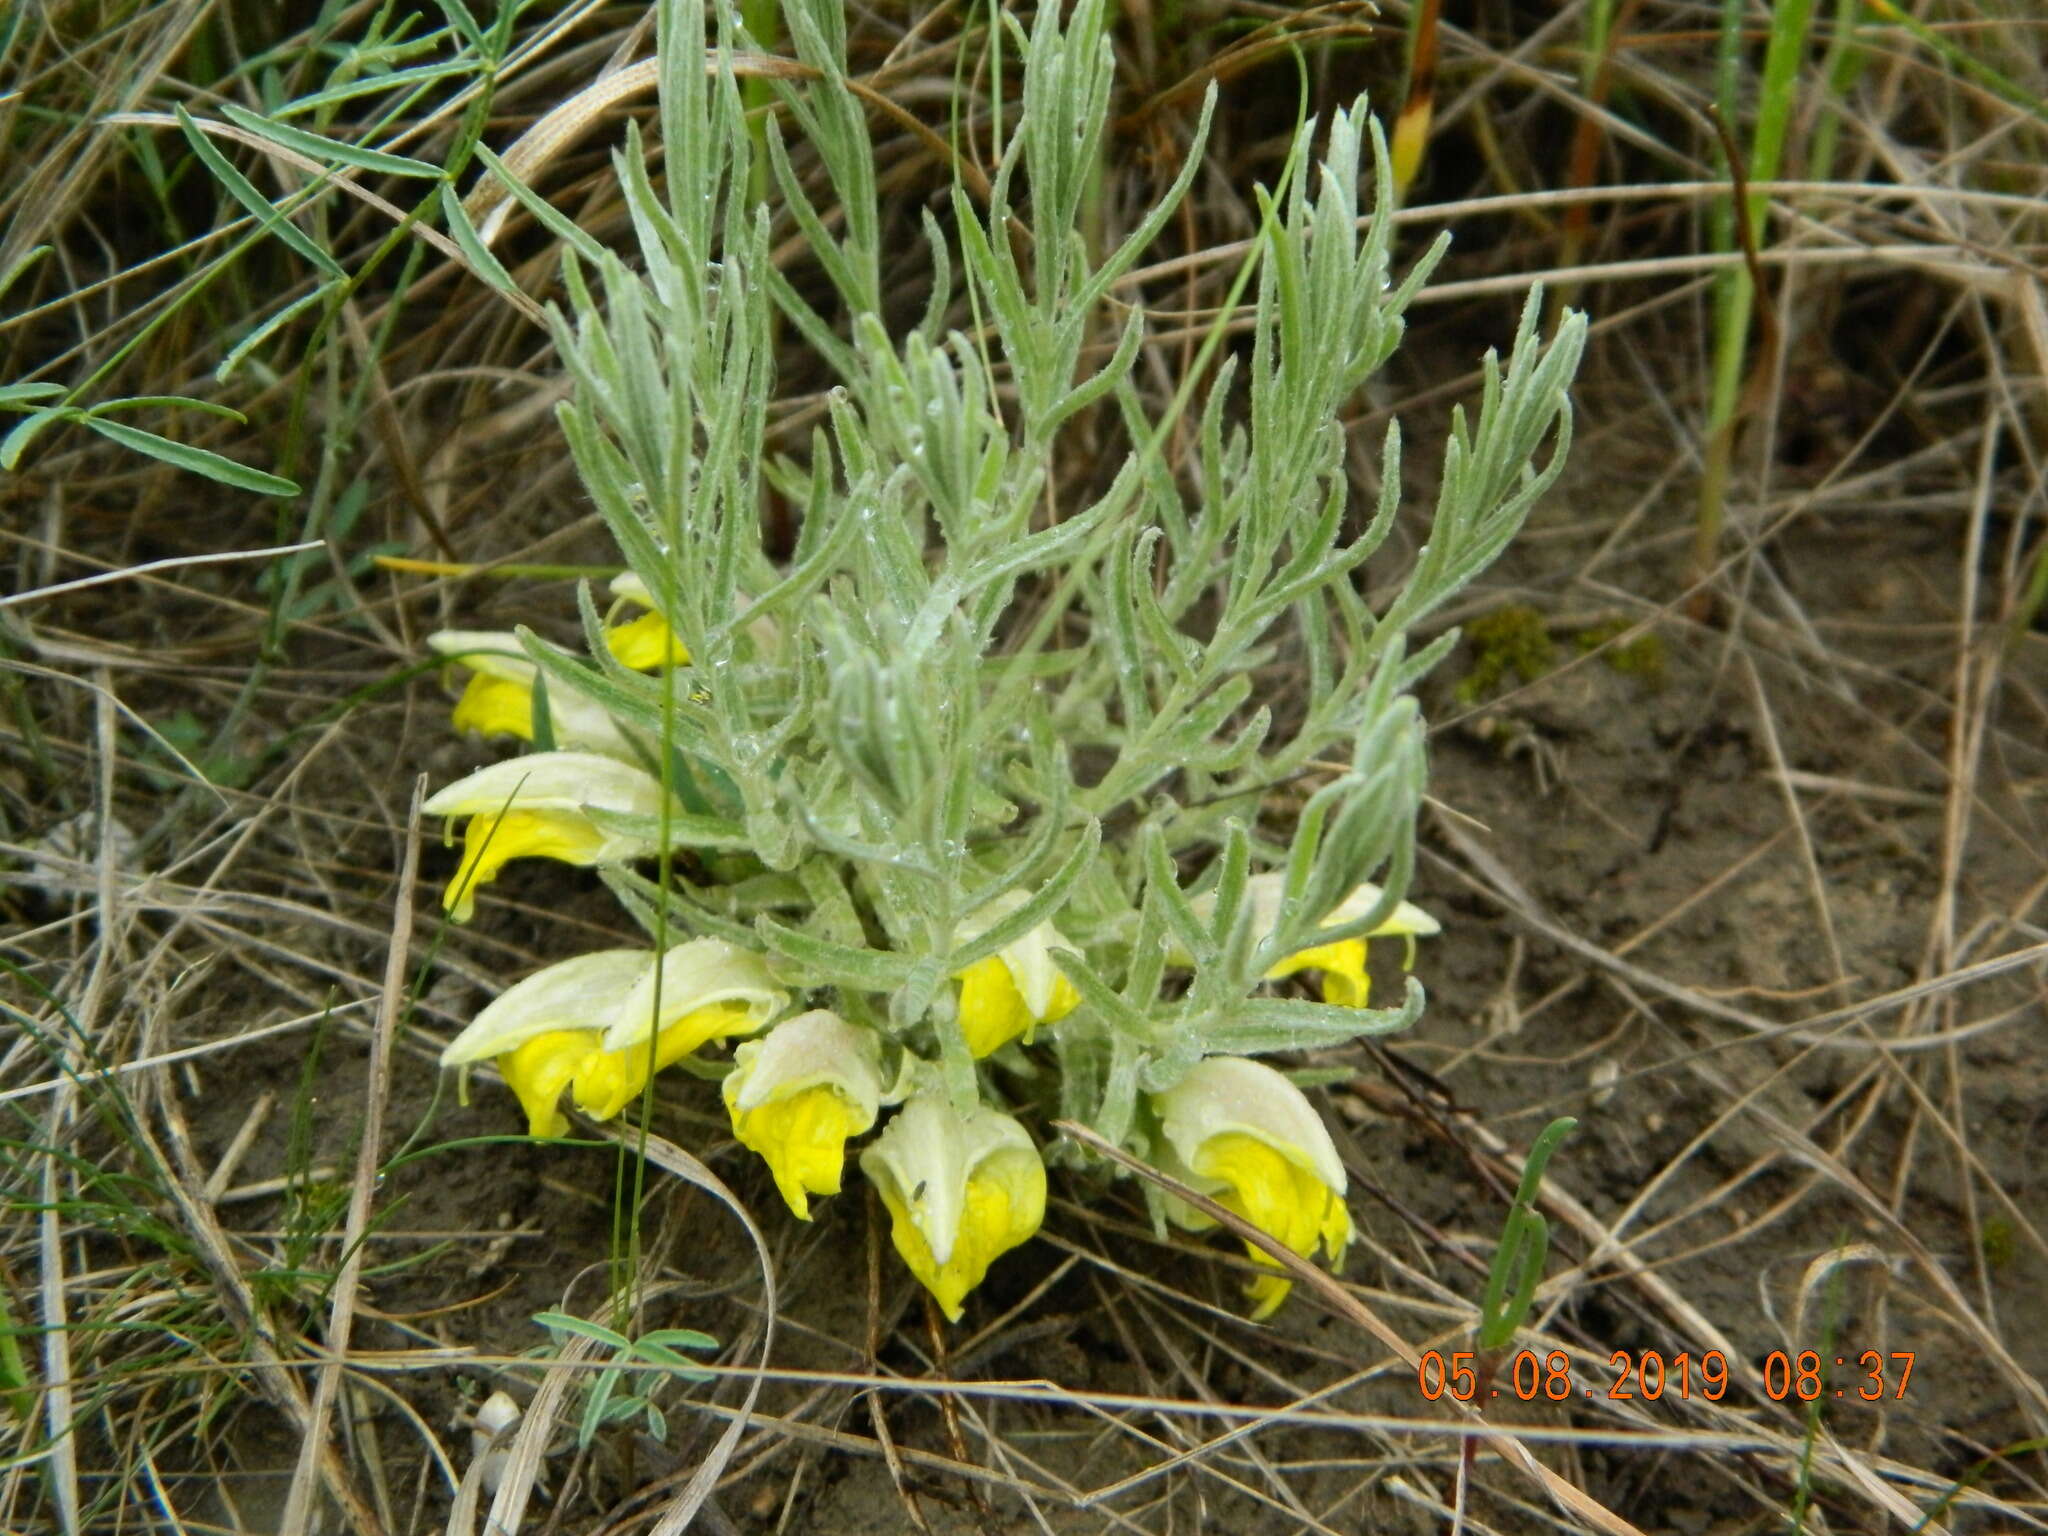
pixel 709 990
pixel 551 1031
pixel 498 699
pixel 495 706
pixel 647 641
pixel 544 1029
pixel 960 1192
pixel 798 1094
pixel 1013 991
pixel 1345 982
pixel 1241 1133
pixel 535 806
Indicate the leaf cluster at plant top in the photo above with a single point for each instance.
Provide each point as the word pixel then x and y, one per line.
pixel 957 808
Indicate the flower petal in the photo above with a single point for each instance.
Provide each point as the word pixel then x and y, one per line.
pixel 645 642
pixel 1406 918
pixel 1280 1197
pixel 493 841
pixel 992 1011
pixel 802 1136
pixel 813 1048
pixel 498 700
pixel 1343 963
pixel 583 993
pixel 960 1192
pixel 1223 1094
pixel 1030 990
pixel 612 1079
pixel 540 1068
pixel 710 976
pixel 546 793
pixel 495 652
pixel 1265 893
pixel 551 781
pixel 491 706
pixel 1345 982
pixel 1240 1132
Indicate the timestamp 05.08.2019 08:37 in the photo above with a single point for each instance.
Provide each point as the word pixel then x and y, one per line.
pixel 1648 1376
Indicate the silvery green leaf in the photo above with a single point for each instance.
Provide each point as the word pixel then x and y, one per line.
pixel 683 830
pixel 1266 1024
pixel 1041 906
pixel 1109 1005
pixel 822 962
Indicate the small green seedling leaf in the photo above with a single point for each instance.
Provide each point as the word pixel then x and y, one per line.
pixel 1524 1244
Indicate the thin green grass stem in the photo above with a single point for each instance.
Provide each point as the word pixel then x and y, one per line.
pixel 1735 294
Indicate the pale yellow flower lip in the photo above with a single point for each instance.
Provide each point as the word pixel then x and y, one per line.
pixel 540 805
pixel 612 990
pixel 1264 893
pixel 549 1032
pixel 1011 992
pixel 584 992
pixel 1222 1095
pixel 797 1095
pixel 580 723
pixel 810 1049
pixel 630 586
pixel 1028 958
pixel 1241 1133
pixel 496 651
pixel 550 781
pixel 961 1191
pixel 702 973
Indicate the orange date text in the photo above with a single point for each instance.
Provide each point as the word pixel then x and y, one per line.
pixel 1649 1375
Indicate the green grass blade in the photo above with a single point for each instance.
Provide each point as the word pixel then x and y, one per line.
pixel 320 147
pixel 200 461
pixel 273 218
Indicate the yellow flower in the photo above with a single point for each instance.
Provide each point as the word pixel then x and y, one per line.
pixel 584 1024
pixel 798 1093
pixel 1014 990
pixel 1345 982
pixel 960 1192
pixel 1241 1133
pixel 498 699
pixel 647 641
pixel 536 806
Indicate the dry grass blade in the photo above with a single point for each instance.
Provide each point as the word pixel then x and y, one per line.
pixel 489 205
pixel 677 1163
pixel 363 1188
pixel 1568 1496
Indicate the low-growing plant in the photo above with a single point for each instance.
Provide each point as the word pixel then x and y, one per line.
pixel 959 808
pixel 652 1355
